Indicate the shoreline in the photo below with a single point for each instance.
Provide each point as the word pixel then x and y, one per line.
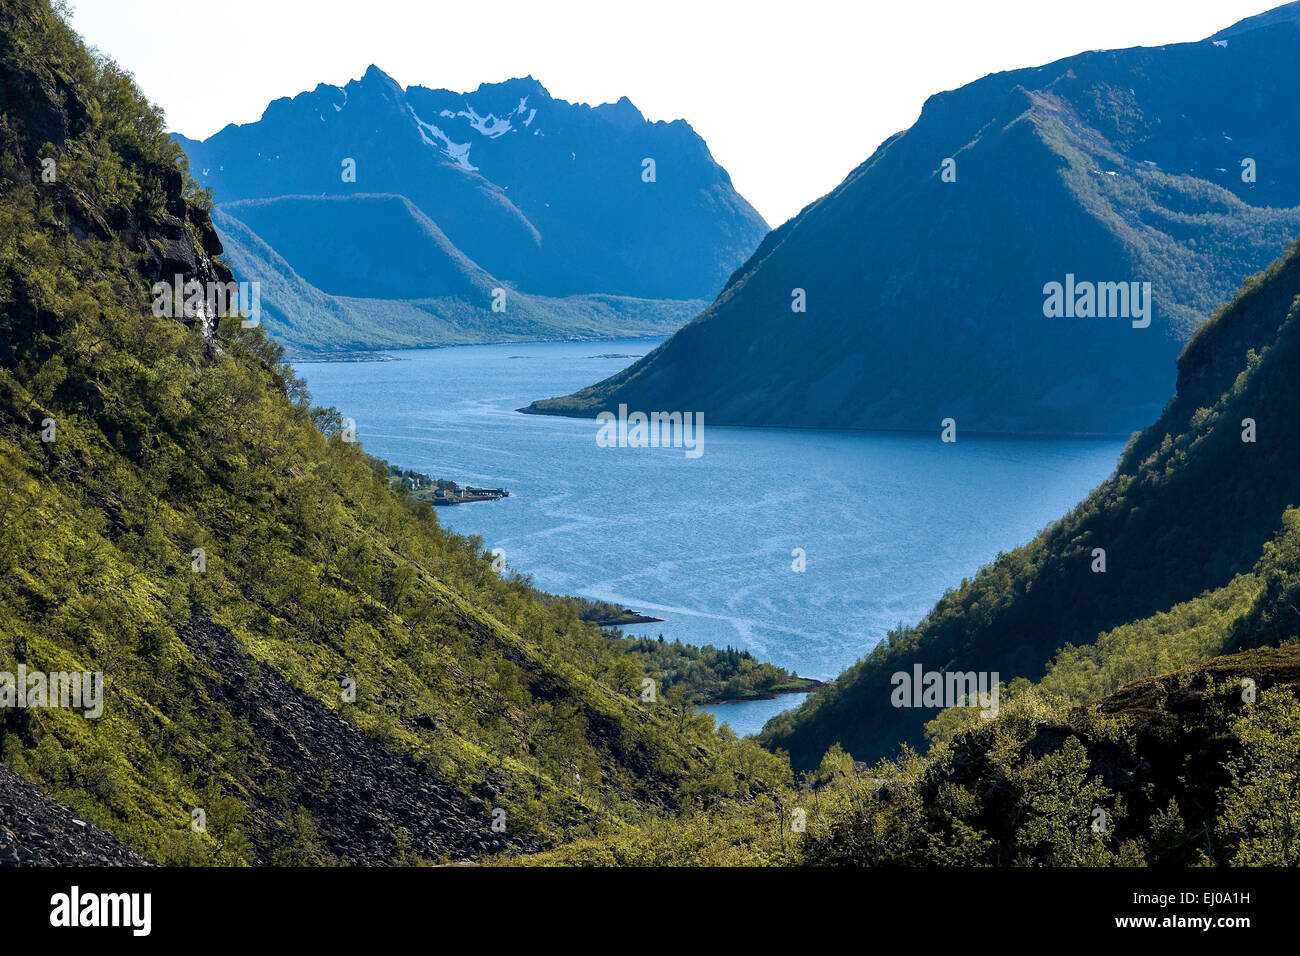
pixel 627 619
pixel 384 353
pixel 812 687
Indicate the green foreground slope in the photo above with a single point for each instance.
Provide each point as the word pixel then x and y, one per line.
pixel 343 680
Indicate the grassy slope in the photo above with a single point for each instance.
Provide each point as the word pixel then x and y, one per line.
pixel 169 439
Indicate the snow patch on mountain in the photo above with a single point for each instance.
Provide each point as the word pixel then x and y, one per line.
pixel 458 153
pixel 490 126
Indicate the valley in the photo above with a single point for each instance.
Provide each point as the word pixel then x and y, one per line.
pixel 988 555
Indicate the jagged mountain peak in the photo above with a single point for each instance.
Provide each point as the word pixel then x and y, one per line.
pixel 528 187
pixel 374 74
pixel 516 86
pixel 621 113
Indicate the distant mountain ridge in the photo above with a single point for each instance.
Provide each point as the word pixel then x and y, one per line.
pixel 368 191
pixel 923 273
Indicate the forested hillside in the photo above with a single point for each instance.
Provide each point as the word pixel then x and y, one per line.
pixel 1194 499
pixel 288 644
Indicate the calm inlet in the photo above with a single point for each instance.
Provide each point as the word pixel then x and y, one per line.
pixel 882 524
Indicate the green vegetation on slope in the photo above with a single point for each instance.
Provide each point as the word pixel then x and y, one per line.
pixel 202 536
pixel 1190 507
pixel 1180 770
pixel 1165 773
pixel 708 675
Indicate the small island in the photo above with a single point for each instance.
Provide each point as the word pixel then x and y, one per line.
pixel 710 675
pixel 626 617
pixel 698 675
pixel 603 613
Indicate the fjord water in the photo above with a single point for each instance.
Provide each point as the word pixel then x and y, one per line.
pixel 887 522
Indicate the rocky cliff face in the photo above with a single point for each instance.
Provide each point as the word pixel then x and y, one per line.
pixel 46 114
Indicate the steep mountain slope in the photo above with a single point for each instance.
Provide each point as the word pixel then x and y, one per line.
pixel 547 198
pixel 299 665
pixel 925 292
pixel 308 321
pixel 1183 769
pixel 1191 505
pixel 380 246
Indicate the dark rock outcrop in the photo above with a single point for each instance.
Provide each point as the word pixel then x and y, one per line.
pixel 38 831
pixel 369 803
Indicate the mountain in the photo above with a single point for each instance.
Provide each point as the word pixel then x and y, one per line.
pixel 295 662
pixel 455 195
pixel 299 666
pixel 1196 501
pixel 307 321
pixel 1149 707
pixel 925 282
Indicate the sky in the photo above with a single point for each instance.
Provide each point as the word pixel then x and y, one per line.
pixel 789 96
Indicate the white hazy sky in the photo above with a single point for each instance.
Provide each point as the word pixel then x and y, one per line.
pixel 790 96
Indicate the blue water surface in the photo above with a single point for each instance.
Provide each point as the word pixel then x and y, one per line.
pixel 886 522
